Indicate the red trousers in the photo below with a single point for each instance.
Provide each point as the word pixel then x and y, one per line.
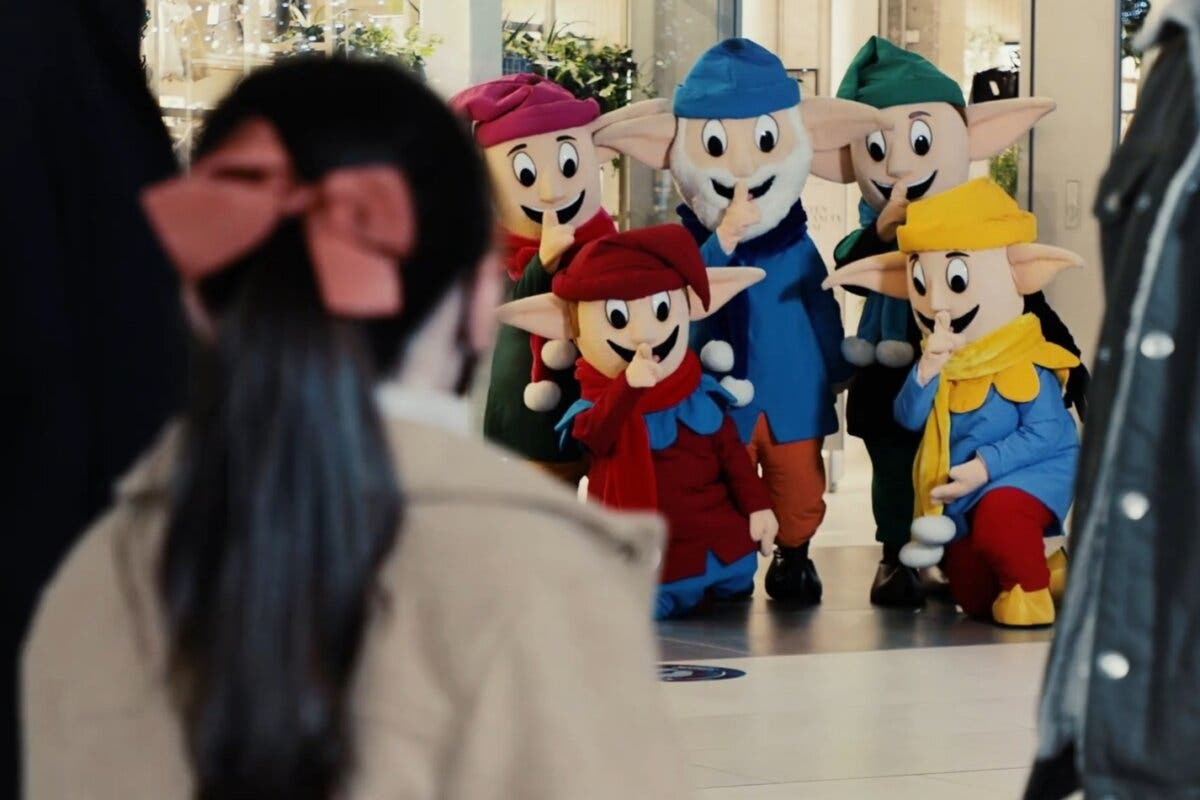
pixel 1004 547
pixel 794 473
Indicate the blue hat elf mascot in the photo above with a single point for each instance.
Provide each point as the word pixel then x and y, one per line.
pixel 740 150
pixel 995 468
pixel 653 424
pixel 932 139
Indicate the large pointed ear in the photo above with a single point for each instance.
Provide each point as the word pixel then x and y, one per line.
pixel 723 284
pixel 886 273
pixel 643 130
pixel 543 314
pixel 1035 265
pixel 833 123
pixel 994 125
pixel 833 165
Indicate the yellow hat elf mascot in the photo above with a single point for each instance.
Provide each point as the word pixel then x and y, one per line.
pixel 996 464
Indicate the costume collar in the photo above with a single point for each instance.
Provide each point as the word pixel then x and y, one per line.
pixel 790 230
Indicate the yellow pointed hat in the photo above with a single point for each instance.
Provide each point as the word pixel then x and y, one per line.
pixel 978 215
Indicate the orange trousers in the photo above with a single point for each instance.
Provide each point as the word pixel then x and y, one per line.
pixel 795 477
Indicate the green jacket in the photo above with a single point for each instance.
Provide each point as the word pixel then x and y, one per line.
pixel 506 419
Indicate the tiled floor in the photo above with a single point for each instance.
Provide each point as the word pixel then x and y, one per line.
pixel 847 701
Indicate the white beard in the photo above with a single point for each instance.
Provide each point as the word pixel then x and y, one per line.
pixel 695 182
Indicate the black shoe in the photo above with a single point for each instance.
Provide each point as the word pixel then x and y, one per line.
pixel 792 576
pixel 897 586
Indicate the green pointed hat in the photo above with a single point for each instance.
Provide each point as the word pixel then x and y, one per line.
pixel 882 75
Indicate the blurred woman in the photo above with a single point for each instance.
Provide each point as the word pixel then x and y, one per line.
pixel 296 597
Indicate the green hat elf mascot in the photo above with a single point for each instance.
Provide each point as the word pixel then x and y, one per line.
pixel 740 148
pixel 653 423
pixel 995 469
pixel 543 149
pixel 933 138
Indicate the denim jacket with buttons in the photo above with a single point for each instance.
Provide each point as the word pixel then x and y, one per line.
pixel 1120 712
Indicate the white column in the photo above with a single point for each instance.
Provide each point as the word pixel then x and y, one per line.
pixel 470 50
pixel 1075 62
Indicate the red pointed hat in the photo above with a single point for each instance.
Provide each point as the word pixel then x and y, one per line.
pixel 634 264
pixel 521 105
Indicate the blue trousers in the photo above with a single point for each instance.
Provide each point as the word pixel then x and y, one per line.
pixel 723 580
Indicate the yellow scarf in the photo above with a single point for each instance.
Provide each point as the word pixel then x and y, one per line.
pixel 1004 359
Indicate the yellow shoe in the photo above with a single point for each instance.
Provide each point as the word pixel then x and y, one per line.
pixel 1017 608
pixel 1057 563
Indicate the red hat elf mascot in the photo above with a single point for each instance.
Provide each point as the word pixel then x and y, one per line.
pixel 543 148
pixel 653 423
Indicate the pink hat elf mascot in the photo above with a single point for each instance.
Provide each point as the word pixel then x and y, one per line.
pixel 543 148
pixel 652 422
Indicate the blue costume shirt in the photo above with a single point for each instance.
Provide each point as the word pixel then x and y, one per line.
pixel 786 331
pixel 1030 446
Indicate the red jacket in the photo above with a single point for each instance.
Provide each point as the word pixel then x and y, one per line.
pixel 707 487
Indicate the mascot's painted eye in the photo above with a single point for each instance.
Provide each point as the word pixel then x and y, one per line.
pixel 568 159
pixel 877 146
pixel 766 133
pixel 958 277
pixel 918 276
pixel 713 137
pixel 921 137
pixel 524 169
pixel 617 312
pixel 661 303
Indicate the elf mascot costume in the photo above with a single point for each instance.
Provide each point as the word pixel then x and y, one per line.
pixel 543 149
pixel 740 146
pixel 929 142
pixel 652 422
pixel 995 467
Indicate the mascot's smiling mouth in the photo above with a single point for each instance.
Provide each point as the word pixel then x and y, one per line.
pixel 755 192
pixel 564 214
pixel 958 325
pixel 915 191
pixel 661 350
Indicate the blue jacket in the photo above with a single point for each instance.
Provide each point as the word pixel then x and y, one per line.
pixel 786 331
pixel 1030 446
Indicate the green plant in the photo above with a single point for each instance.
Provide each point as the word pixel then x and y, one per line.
pixel 362 38
pixel 1003 170
pixel 581 65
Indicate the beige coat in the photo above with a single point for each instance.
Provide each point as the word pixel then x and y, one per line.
pixel 514 659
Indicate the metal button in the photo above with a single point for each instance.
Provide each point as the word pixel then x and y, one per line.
pixel 1112 203
pixel 1157 345
pixel 1104 354
pixel 1113 665
pixel 1142 203
pixel 1134 505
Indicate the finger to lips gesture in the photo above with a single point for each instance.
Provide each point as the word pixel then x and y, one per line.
pixel 556 239
pixel 643 371
pixel 894 213
pixel 740 214
pixel 939 347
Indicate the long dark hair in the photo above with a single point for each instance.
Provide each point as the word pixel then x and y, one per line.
pixel 286 501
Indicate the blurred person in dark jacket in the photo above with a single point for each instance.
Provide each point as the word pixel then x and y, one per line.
pixel 1120 716
pixel 92 343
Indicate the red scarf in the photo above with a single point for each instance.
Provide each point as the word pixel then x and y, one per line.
pixel 519 250
pixel 625 478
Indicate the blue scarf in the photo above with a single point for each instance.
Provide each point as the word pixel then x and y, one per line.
pixel 732 323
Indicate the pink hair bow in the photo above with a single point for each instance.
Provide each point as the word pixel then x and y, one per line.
pixel 358 220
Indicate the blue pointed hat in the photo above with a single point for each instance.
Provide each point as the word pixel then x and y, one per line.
pixel 735 79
